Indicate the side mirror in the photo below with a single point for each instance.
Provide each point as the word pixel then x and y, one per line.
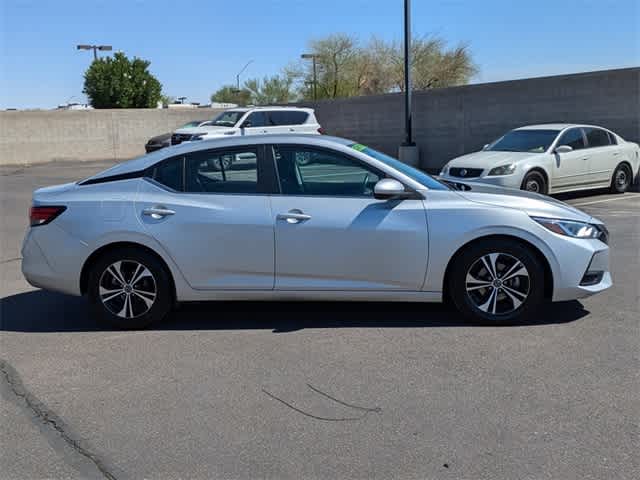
pixel 388 188
pixel 486 145
pixel 245 124
pixel 563 149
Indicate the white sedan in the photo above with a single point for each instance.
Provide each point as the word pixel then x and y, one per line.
pixel 551 158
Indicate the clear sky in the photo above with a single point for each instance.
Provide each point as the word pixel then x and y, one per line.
pixel 195 46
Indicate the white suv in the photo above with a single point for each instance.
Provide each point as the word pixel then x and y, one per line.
pixel 252 121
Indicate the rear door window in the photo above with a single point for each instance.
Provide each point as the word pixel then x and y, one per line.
pixel 169 173
pixel 597 137
pixel 277 118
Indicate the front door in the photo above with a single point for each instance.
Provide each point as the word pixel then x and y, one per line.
pixel 210 212
pixel 332 234
pixel 571 169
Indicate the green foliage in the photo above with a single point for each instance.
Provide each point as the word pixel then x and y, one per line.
pixel 230 94
pixel 345 67
pixel 117 82
pixel 272 90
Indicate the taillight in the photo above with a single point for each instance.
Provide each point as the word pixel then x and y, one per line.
pixel 44 215
pixel 321 131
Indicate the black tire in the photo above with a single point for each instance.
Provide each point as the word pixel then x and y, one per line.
pixel 470 262
pixel 622 179
pixel 535 182
pixel 133 312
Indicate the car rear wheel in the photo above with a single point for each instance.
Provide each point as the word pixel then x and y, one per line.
pixel 497 283
pixel 534 182
pixel 129 288
pixel 621 179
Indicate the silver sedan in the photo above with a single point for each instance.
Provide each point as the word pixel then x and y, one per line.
pixel 296 217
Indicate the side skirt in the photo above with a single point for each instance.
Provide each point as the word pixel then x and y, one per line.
pixel 309 295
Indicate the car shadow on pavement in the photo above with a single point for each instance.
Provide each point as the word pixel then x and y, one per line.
pixel 42 311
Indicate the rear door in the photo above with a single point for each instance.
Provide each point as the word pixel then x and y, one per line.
pixel 210 211
pixel 288 121
pixel 603 155
pixel 571 170
pixel 332 234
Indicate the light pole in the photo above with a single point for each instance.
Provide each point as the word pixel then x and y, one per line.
pixel 95 48
pixel 408 151
pixel 238 75
pixel 313 57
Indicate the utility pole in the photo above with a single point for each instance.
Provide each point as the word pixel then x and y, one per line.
pixel 240 72
pixel 408 151
pixel 313 57
pixel 95 49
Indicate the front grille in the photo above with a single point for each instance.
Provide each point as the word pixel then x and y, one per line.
pixel 178 138
pixel 465 172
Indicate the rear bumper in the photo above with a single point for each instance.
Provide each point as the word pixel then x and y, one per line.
pixel 58 269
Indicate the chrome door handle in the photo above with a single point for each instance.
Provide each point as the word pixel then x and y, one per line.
pixel 157 212
pixel 294 216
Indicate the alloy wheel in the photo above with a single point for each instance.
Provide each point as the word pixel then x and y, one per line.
pixel 497 283
pixel 622 179
pixel 127 289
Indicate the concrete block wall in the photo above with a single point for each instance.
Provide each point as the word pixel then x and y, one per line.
pixel 452 121
pixel 28 137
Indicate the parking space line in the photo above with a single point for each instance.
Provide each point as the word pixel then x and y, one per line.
pixel 625 197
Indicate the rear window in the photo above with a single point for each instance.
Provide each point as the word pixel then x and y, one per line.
pixel 287 118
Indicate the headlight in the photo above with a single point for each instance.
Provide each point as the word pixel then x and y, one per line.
pixel 503 170
pixel 573 229
pixel 445 169
pixel 197 136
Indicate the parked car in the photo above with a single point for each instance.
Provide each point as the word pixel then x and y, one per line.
pixel 164 140
pixel 252 121
pixel 353 225
pixel 552 158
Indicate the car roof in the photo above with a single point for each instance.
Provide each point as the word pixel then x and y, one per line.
pixel 269 107
pixel 555 126
pixel 146 161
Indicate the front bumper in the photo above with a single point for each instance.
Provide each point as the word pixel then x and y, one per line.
pixel 585 260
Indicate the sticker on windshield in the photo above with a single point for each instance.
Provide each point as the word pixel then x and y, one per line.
pixel 358 147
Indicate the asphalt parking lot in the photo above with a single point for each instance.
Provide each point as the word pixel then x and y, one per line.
pixel 322 391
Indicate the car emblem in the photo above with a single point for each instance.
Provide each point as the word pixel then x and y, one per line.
pixel 463 172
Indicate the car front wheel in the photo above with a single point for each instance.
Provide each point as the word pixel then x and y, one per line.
pixel 534 182
pixel 497 282
pixel 129 288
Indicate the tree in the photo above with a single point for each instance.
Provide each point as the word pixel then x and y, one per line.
pixel 272 90
pixel 117 82
pixel 167 99
pixel 345 67
pixel 230 94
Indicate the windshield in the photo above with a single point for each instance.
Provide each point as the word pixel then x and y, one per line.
pixel 228 118
pixel 533 141
pixel 413 173
pixel 195 123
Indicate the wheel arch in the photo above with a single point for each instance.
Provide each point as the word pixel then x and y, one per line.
pixel 540 170
pixel 96 254
pixel 546 266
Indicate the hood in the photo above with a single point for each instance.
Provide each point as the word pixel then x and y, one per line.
pixel 486 159
pixel 534 204
pixel 208 129
pixel 160 138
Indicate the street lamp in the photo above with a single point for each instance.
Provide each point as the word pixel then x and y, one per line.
pixel 312 56
pixel 95 48
pixel 408 151
pixel 238 75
